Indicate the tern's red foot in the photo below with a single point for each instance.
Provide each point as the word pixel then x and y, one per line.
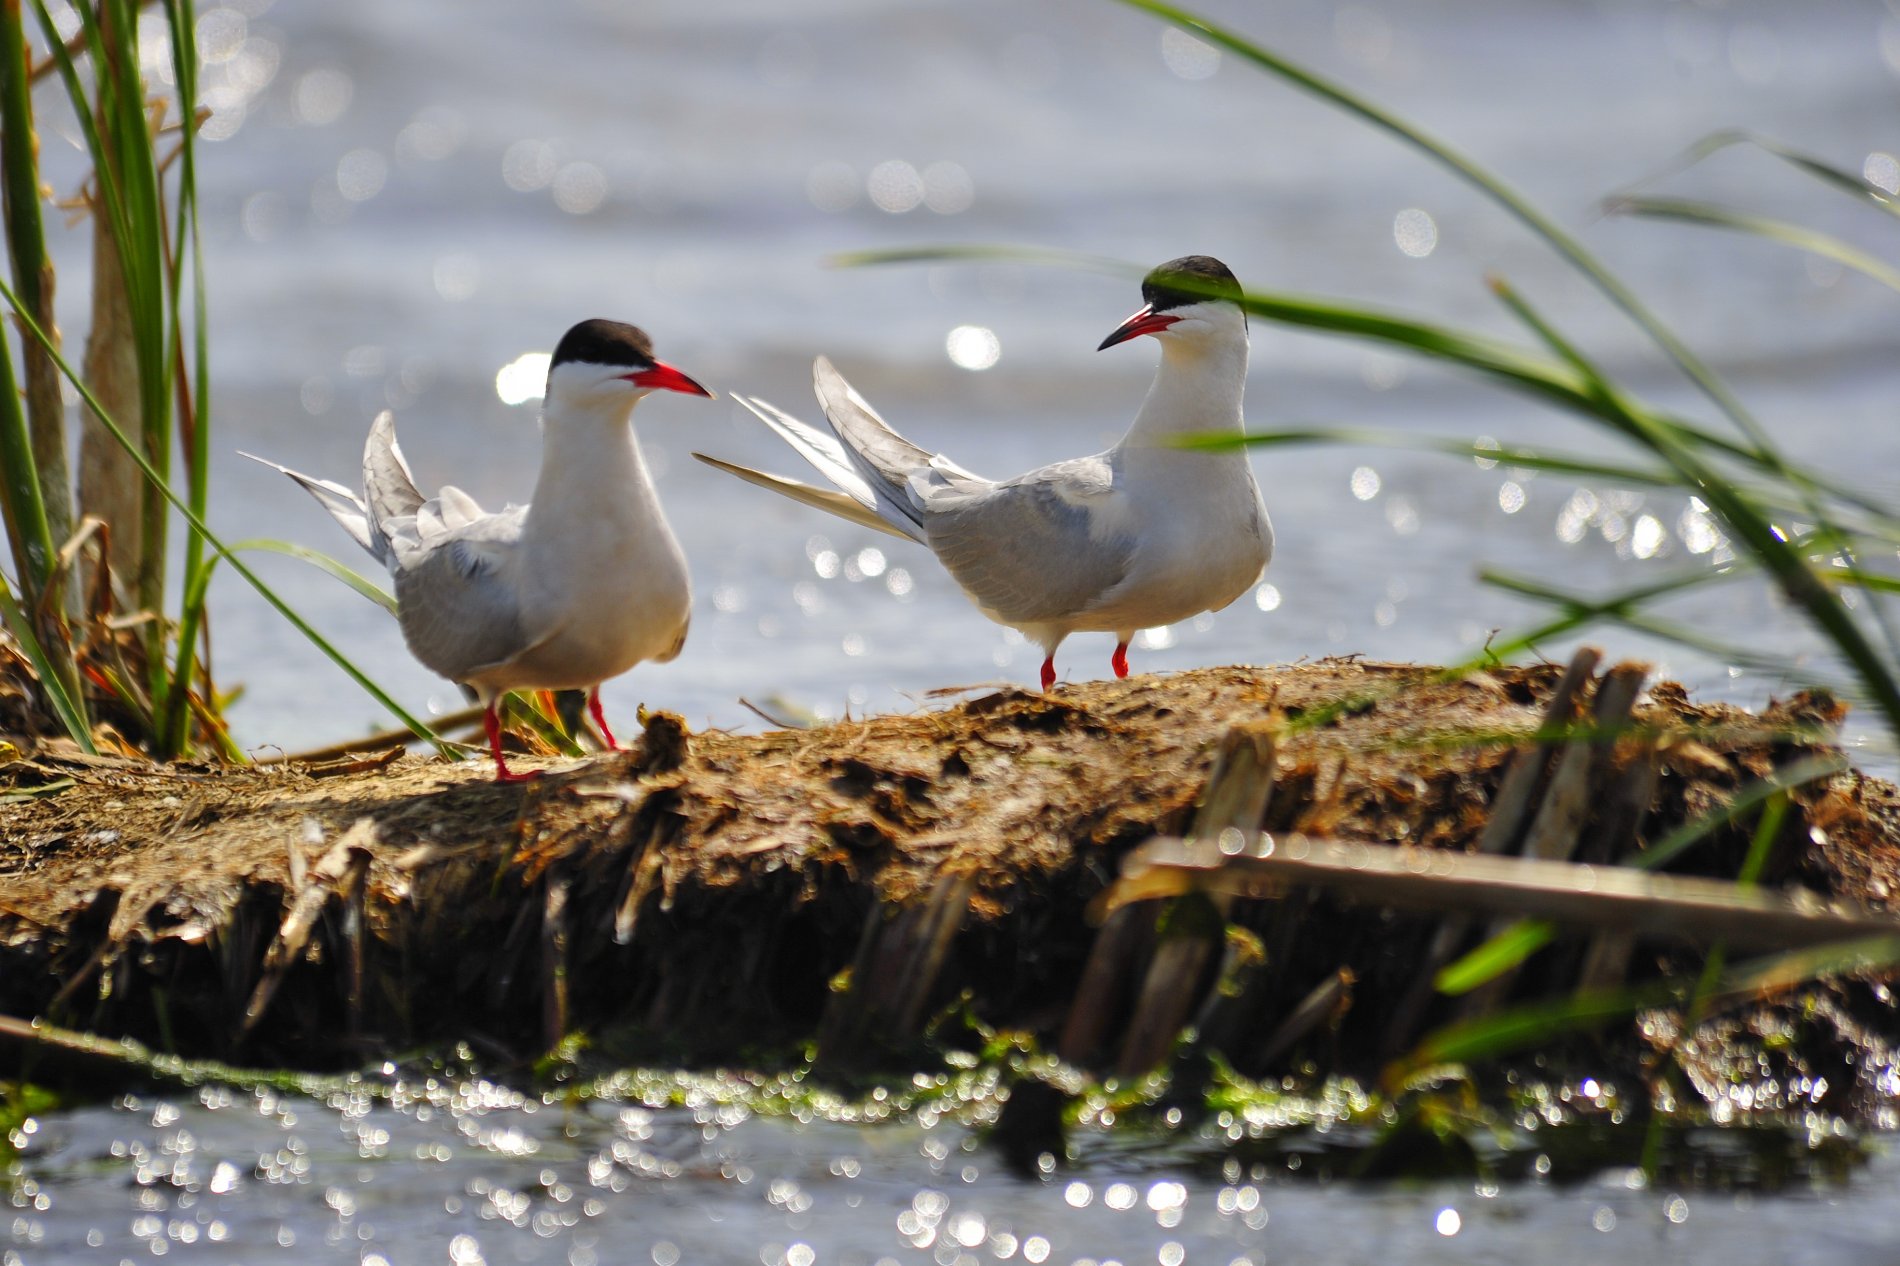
pixel 491 721
pixel 1119 660
pixel 600 719
pixel 1048 672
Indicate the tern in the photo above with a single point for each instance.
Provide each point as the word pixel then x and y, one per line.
pixel 563 593
pixel 1146 534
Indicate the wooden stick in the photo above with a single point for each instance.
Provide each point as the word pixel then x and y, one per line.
pixel 1234 801
pixel 553 960
pixel 1517 793
pixel 1111 957
pixel 1318 1005
pixel 1575 790
pixel 1513 803
pixel 1618 897
pixel 374 742
pixel 1619 825
pixel 1560 822
pixel 98 914
pixel 900 955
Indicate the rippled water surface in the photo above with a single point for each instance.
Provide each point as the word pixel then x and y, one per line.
pixel 404 198
pixel 475 1174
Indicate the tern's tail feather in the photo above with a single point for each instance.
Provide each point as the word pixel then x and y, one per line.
pixel 870 497
pixel 344 506
pixel 892 464
pixel 838 503
pixel 889 455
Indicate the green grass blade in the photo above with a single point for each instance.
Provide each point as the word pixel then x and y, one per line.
pixel 1573 465
pixel 1630 613
pixel 322 562
pixel 32 269
pixel 1627 602
pixel 1521 208
pixel 1827 173
pixel 34 551
pixel 36 623
pixel 1784 971
pixel 1517 1028
pixel 1797 236
pixel 524 711
pixel 1493 357
pixel 66 704
pixel 1497 454
pixel 1538 376
pixel 105 177
pixel 1800 773
pixel 1743 521
pixel 1496 956
pixel 1774 811
pixel 195 407
pixel 1862 580
pixel 1039 256
pixel 1534 1024
pixel 118 140
pixel 416 726
pixel 51 788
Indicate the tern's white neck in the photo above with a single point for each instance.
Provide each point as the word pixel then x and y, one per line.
pixel 591 470
pixel 1197 389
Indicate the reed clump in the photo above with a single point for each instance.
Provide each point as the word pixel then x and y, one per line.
pixel 91 646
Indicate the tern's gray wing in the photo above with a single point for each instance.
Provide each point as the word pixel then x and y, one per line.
pixel 1032 550
pixel 456 594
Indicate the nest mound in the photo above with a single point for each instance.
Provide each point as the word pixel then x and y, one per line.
pixel 712 887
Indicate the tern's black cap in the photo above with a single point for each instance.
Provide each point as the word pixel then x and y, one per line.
pixel 600 342
pixel 1206 278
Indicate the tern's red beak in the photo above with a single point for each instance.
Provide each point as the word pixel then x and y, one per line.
pixel 663 377
pixel 1146 321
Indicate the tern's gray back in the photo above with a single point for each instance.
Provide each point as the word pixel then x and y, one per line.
pixel 1027 550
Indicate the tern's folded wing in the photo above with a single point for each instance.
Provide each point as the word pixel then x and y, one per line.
pixel 458 600
pixel 1037 549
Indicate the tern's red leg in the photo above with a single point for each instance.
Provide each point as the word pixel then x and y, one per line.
pixel 1048 672
pixel 491 721
pixel 1119 660
pixel 600 719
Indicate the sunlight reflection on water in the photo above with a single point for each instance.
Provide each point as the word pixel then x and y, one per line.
pixel 478 1173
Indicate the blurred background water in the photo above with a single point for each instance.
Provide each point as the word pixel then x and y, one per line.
pixel 403 200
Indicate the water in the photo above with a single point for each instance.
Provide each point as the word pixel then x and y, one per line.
pixel 476 1174
pixel 407 197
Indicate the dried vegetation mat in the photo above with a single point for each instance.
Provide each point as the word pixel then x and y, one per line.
pixel 719 894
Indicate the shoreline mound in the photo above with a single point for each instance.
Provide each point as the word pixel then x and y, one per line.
pixel 888 885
